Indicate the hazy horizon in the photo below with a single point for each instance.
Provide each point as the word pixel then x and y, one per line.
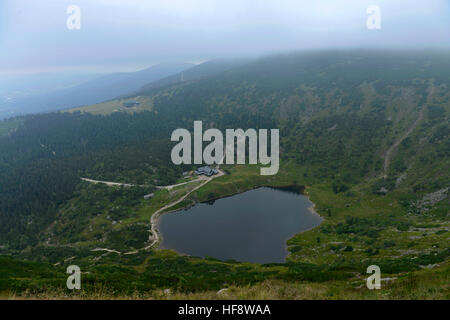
pixel 117 35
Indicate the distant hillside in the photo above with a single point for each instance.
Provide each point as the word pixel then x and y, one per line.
pixel 198 72
pixel 203 70
pixel 93 91
pixel 23 87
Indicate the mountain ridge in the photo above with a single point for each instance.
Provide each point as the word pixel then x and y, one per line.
pixel 96 90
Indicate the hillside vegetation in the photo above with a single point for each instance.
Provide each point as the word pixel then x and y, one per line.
pixel 366 132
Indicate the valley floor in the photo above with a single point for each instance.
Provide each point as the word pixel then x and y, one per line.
pixel 327 262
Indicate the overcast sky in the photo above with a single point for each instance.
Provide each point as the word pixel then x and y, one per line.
pixel 131 34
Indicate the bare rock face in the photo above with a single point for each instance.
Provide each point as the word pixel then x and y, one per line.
pixel 429 200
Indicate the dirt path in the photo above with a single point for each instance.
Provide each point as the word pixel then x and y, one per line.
pixel 106 249
pixel 109 183
pixel 170 187
pixel 154 237
pixel 389 153
pixel 155 217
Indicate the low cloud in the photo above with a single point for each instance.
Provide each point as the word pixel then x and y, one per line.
pixel 132 32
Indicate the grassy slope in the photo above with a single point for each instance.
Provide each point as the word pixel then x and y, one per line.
pixel 108 107
pixel 424 284
pixel 412 283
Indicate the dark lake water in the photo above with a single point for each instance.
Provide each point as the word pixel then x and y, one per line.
pixel 252 226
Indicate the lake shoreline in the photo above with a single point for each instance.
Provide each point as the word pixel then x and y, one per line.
pixel 283 187
pixel 291 188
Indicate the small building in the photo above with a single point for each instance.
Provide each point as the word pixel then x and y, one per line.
pixel 130 104
pixel 148 196
pixel 207 171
